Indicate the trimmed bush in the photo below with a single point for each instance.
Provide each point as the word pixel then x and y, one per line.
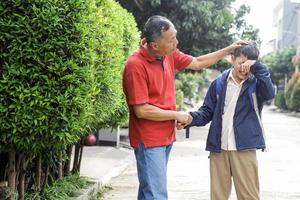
pixel 45 73
pixel 292 92
pixel 179 95
pixel 60 64
pixel 117 36
pixel 280 100
pixel 295 97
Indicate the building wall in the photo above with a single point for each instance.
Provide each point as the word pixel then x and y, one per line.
pixel 287 21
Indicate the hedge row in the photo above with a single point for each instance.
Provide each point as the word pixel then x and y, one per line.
pixel 60 64
pixel 290 97
pixel 292 93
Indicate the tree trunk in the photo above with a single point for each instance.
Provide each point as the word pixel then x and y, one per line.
pixel 46 176
pixel 60 167
pixel 21 185
pixel 20 158
pixel 12 172
pixel 76 158
pixel 21 167
pixel 80 156
pixel 38 172
pixel 67 164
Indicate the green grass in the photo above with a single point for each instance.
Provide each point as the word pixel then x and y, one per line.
pixel 102 191
pixel 63 189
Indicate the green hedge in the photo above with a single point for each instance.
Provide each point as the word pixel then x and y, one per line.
pixel 292 93
pixel 60 64
pixel 46 67
pixel 280 100
pixel 117 36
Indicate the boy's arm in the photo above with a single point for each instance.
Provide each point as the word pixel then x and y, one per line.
pixel 264 88
pixel 205 112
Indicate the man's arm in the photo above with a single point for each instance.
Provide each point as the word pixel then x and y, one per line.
pixel 150 112
pixel 207 60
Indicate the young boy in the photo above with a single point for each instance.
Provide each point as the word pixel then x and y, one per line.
pixel 233 104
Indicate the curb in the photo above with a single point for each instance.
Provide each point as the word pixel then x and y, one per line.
pixel 90 193
pixel 286 112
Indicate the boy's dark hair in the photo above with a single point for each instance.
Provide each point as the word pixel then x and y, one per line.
pixel 250 51
pixel 154 27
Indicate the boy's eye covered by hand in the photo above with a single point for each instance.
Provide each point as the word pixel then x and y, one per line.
pixel 246 66
pixel 242 67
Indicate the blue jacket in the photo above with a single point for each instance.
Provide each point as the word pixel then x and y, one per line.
pixel 246 123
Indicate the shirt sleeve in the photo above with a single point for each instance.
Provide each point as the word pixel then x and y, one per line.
pixel 135 85
pixel 181 60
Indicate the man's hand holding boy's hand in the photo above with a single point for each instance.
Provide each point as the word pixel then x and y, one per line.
pixel 181 125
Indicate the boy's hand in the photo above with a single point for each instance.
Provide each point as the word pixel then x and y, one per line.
pixel 246 66
pixel 182 117
pixel 181 125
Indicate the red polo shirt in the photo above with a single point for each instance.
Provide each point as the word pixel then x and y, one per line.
pixel 148 80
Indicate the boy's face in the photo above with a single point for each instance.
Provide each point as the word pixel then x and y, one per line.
pixel 238 72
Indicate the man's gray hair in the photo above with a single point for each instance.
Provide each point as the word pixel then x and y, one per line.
pixel 155 26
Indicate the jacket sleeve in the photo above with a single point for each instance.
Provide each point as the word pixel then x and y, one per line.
pixel 205 112
pixel 264 87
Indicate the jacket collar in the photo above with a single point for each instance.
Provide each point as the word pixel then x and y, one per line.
pixel 246 83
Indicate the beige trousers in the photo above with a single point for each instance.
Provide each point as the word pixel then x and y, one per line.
pixel 241 166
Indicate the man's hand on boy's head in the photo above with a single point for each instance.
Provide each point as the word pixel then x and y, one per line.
pixel 237 44
pixel 246 66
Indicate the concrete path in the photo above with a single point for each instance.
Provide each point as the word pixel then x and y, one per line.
pixel 188 170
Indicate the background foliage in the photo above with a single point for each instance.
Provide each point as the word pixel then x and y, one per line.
pixel 292 93
pixel 203 26
pixel 280 65
pixel 199 29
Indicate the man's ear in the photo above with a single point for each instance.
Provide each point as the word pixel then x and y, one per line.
pixel 154 45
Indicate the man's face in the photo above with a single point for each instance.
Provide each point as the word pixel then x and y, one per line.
pixel 166 43
pixel 238 72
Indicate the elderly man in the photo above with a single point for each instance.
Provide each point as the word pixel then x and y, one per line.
pixel 148 83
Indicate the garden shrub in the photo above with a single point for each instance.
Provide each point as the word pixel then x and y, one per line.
pixel 295 97
pixel 60 73
pixel 117 37
pixel 280 100
pixel 292 92
pixel 45 72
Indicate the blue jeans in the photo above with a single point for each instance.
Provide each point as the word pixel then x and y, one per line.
pixel 152 172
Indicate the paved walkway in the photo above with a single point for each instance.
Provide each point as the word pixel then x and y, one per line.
pixel 102 163
pixel 188 174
